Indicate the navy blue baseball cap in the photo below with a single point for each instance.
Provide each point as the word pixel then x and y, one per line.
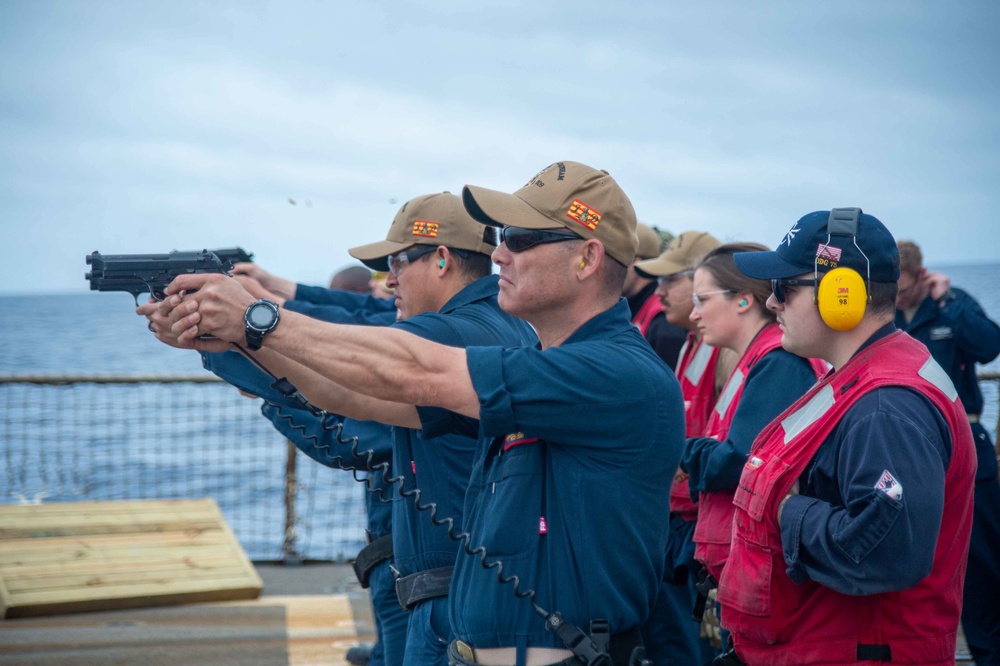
pixel 810 246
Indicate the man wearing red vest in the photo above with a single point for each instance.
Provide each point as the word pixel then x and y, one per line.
pixel 854 509
pixel 666 338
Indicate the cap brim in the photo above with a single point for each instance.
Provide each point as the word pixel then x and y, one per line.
pixel 766 265
pixel 659 267
pixel 500 209
pixel 376 255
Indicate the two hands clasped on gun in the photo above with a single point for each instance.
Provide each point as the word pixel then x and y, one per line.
pixel 209 303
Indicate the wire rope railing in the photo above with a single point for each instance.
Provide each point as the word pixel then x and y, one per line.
pixel 109 437
pixel 70 438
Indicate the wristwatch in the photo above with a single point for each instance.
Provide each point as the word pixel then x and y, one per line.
pixel 261 318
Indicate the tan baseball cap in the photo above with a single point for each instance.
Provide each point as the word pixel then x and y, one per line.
pixel 432 219
pixel 649 242
pixel 681 255
pixel 584 200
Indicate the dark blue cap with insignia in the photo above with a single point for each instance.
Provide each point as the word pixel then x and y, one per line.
pixel 809 245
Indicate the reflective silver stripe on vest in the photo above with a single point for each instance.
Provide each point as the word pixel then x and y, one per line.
pixel 684 350
pixel 809 413
pixel 696 369
pixel 936 375
pixel 728 393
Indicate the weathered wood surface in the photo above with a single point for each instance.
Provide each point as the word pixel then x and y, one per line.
pixel 86 556
pixel 269 631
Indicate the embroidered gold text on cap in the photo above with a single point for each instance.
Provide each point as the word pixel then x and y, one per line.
pixel 425 229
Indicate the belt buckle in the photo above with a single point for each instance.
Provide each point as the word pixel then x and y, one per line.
pixel 394 570
pixel 465 651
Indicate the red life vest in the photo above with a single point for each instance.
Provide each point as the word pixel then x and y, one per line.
pixel 776 622
pixel 715 510
pixel 644 317
pixel 696 374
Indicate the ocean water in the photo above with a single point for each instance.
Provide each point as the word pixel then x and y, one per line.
pixel 85 333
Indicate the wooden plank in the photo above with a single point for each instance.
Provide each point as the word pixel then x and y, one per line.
pixel 58 558
pixel 204 560
pixel 56 527
pixel 306 630
pixel 144 589
pixel 61 580
pixel 88 518
pixel 127 599
pixel 110 507
pixel 109 550
pixel 54 542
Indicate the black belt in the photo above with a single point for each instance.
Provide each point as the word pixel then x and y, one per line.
pixel 371 556
pixel 423 585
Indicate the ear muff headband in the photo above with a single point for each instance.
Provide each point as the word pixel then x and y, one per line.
pixel 842 295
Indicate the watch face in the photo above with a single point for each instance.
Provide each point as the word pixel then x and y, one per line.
pixel 260 316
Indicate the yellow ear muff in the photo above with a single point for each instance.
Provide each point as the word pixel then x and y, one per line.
pixel 842 297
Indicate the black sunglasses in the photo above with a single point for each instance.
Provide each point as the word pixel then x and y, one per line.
pixel 778 286
pixel 518 239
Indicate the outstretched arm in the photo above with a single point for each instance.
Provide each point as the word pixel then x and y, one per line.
pixel 280 287
pixel 387 364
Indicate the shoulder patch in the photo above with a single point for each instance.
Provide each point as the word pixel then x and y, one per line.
pixel 888 484
pixel 517 439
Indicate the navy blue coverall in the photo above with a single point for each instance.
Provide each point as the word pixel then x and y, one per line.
pixel 959 334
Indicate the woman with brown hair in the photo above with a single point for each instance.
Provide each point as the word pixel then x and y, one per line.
pixel 730 312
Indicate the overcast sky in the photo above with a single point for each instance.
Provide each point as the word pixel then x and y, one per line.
pixel 296 129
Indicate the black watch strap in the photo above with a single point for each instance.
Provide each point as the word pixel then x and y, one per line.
pixel 255 339
pixel 261 317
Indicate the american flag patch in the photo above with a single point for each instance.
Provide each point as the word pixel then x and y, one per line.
pixel 425 229
pixel 889 485
pixel 824 251
pixel 584 214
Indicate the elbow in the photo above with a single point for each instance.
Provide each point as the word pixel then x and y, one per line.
pixel 416 392
pixel 893 580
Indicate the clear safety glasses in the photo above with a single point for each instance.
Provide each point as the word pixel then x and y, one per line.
pixel 698 299
pixel 397 262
